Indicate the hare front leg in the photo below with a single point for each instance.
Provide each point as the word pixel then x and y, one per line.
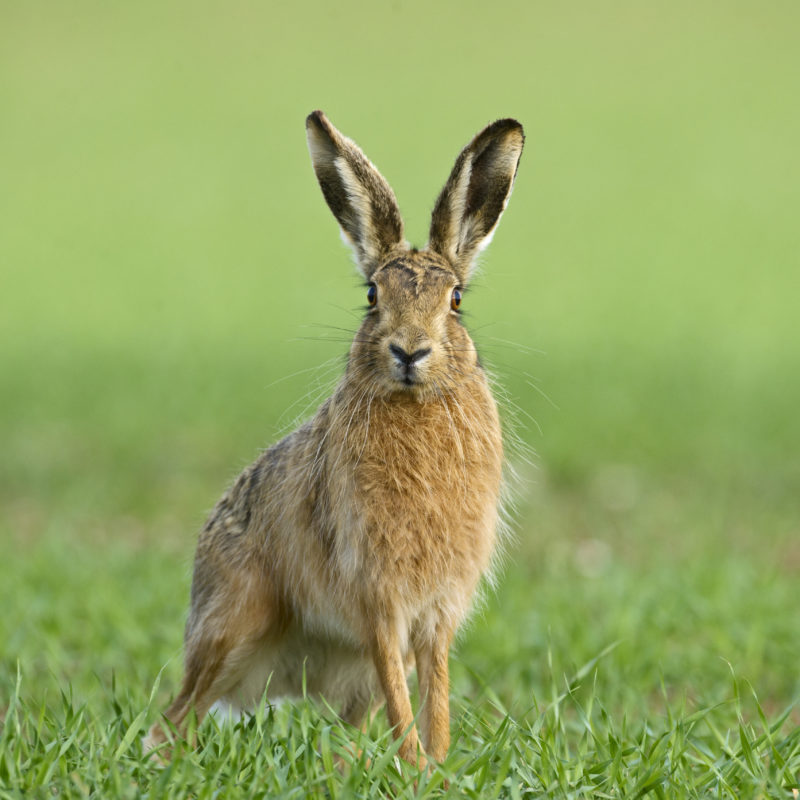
pixel 388 661
pixel 434 691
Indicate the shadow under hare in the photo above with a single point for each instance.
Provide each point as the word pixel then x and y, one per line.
pixel 349 552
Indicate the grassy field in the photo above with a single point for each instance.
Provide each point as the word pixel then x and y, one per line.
pixel 171 293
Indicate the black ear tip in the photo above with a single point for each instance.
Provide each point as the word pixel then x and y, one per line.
pixel 316 118
pixel 319 128
pixel 504 133
pixel 507 125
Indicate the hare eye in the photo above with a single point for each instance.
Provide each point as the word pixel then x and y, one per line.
pixel 372 294
pixel 455 300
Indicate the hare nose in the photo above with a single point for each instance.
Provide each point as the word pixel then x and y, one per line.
pixel 408 359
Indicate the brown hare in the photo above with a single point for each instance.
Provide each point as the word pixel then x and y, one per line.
pixel 351 549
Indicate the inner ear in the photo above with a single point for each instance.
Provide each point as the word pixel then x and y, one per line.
pixel 487 186
pixel 475 195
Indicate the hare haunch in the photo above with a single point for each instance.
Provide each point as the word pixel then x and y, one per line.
pixel 350 550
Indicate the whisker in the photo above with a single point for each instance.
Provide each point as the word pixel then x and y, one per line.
pixel 325 365
pixel 330 339
pixel 524 348
pixel 352 331
pixel 349 311
pixel 541 392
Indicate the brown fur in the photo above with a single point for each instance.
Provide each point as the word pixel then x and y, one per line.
pixel 350 551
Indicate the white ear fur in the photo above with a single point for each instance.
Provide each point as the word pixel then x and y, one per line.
pixel 367 248
pixel 458 225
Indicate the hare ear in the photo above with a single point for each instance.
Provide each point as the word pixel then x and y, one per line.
pixel 358 195
pixel 475 195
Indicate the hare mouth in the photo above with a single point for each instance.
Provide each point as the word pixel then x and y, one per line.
pixel 407 383
pixel 409 377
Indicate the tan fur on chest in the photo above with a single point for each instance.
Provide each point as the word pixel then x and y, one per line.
pixel 404 505
pixel 424 476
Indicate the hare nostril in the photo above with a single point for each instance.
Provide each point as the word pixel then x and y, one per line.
pixel 407 359
pixel 401 355
pixel 418 355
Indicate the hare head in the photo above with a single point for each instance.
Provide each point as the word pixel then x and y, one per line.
pixel 411 340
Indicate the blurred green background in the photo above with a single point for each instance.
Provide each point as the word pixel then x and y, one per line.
pixel 169 270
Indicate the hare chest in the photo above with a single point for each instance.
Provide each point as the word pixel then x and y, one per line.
pixel 427 480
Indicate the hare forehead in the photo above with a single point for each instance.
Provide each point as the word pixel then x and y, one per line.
pixel 417 274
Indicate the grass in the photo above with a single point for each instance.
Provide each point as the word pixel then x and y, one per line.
pixel 172 294
pixel 566 745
